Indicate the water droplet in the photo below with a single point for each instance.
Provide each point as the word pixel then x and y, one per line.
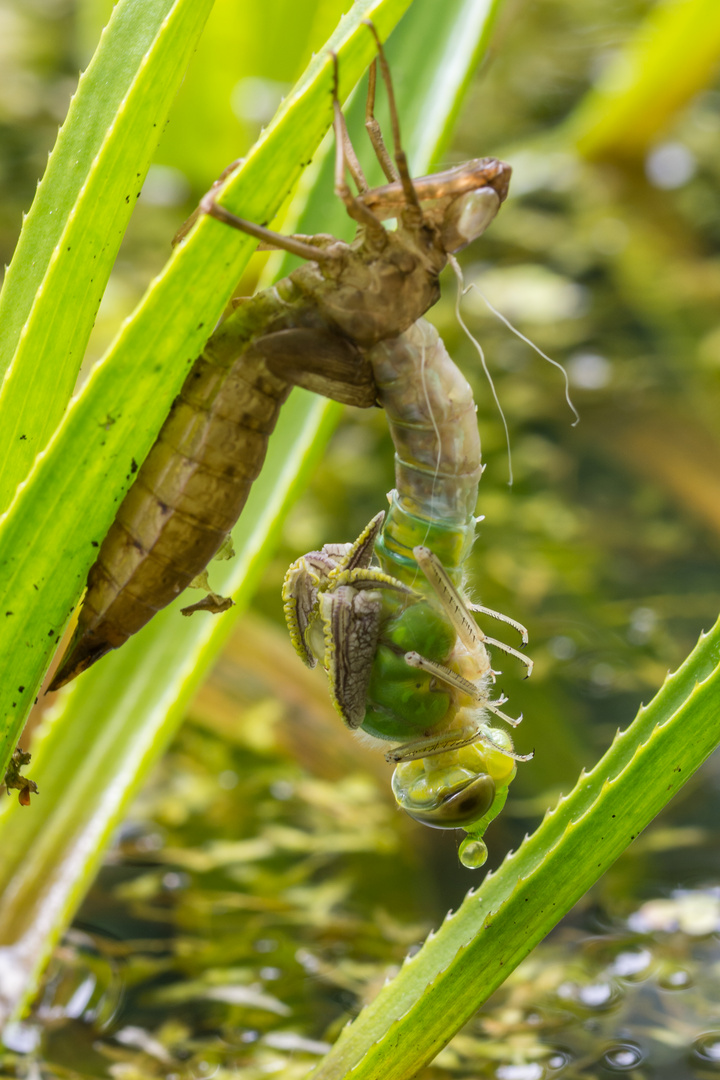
pixel 473 853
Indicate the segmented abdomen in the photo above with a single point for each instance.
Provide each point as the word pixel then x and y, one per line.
pixel 192 486
pixel 432 418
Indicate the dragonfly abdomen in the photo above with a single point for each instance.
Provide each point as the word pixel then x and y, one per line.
pixel 187 495
pixel 432 419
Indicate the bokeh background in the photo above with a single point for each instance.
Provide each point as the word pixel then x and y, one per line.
pixel 265 885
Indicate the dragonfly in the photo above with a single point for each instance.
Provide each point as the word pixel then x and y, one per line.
pixel 314 329
pixel 388 616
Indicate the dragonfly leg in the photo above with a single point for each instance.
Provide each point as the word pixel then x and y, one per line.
pixel 447 675
pixel 188 224
pixel 508 649
pixel 433 745
pixel 491 706
pixel 413 212
pixel 345 157
pixel 373 129
pixel 478 609
pixel 447 742
pixel 458 610
pixel 296 246
pixel 322 361
pixel 342 135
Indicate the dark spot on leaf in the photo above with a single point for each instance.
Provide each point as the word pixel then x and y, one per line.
pixel 127 198
pixel 8 612
pixel 133 465
pixel 51 633
pixel 23 437
pixel 94 543
pixel 21 688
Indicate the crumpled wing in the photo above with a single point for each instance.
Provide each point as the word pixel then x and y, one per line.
pixel 351 621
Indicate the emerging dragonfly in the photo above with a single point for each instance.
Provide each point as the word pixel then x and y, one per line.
pixel 406 659
pixel 386 615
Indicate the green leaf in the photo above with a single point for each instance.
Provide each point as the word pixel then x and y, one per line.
pixel 477 947
pixel 71 236
pixel 674 54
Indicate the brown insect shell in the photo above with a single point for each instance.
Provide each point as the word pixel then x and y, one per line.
pixel 376 292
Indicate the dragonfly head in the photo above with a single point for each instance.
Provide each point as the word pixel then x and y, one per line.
pixel 463 788
pixel 450 807
pixel 467 217
pixel 460 202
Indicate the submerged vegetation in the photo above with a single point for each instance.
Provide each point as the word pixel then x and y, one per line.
pixel 262 887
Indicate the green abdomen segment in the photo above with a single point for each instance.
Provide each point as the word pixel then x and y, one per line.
pixel 431 413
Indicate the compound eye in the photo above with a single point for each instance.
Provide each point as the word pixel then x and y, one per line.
pixel 468 217
pixel 456 809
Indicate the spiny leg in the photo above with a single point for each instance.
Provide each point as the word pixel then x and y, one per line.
pixel 446 675
pixel 467 629
pixel 298 245
pixel 464 686
pixel 188 224
pixel 478 609
pixel 342 135
pixel 447 742
pixel 459 682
